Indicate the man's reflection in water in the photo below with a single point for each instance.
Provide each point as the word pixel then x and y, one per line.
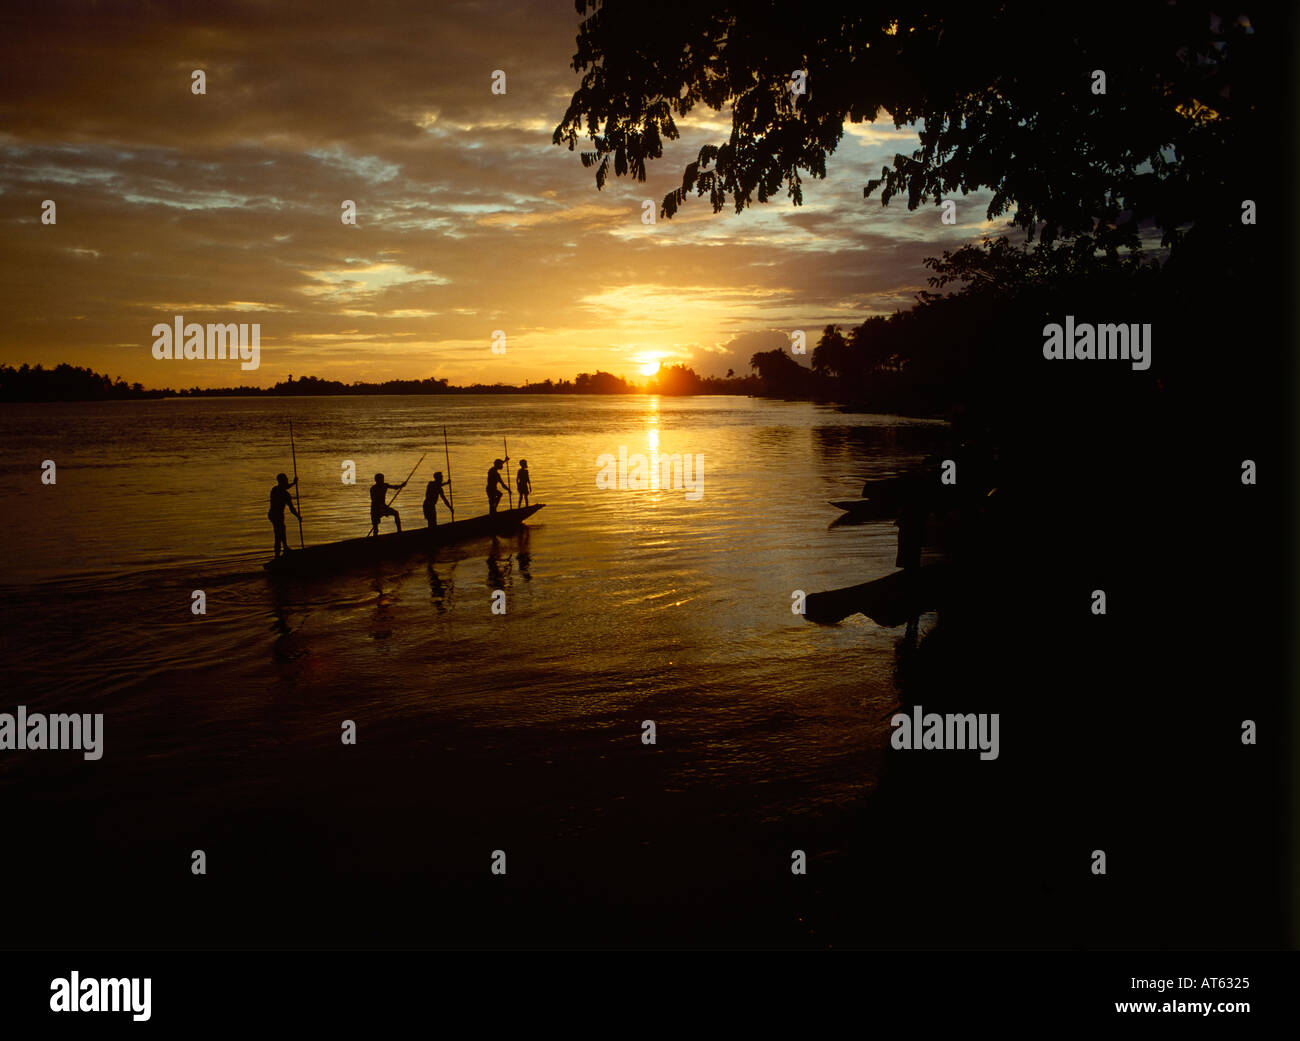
pixel 383 601
pixel 499 567
pixel 282 649
pixel 440 589
pixel 525 557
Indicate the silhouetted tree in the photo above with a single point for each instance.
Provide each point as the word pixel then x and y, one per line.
pixel 1174 139
pixel 601 383
pixel 66 383
pixel 676 379
pixel 781 375
pixel 831 355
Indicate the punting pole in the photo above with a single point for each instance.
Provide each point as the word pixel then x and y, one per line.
pixel 296 500
pixel 407 481
pixel 510 493
pixel 451 492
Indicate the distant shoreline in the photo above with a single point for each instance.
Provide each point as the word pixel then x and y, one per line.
pixel 847 407
pixel 64 383
pixel 465 392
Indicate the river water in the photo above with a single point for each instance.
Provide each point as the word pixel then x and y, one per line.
pixel 476 730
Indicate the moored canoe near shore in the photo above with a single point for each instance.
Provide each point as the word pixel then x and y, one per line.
pixel 889 601
pixel 865 509
pixel 334 556
pixel 882 497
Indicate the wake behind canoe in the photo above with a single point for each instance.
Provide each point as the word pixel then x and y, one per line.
pixel 333 556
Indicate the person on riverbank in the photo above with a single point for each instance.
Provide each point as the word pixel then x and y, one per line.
pixel 495 485
pixel 379 509
pixel 280 499
pixel 432 492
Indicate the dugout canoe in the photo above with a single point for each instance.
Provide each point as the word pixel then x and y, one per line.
pixel 335 556
pixel 865 509
pixel 885 497
pixel 890 601
pixel 881 497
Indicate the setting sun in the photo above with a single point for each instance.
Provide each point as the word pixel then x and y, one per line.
pixel 651 367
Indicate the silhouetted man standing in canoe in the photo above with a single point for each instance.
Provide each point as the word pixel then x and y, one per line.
pixel 379 509
pixel 280 498
pixel 431 494
pixel 495 485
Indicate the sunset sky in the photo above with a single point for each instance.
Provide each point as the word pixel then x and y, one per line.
pixel 225 207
